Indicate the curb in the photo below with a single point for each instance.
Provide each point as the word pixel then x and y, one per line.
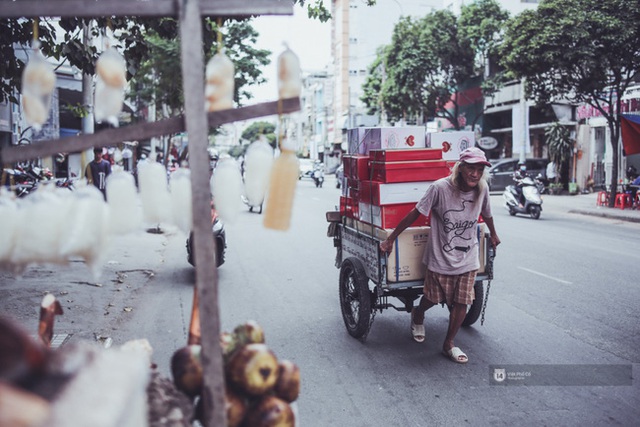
pixel 606 215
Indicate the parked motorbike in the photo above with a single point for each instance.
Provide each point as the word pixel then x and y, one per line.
pixel 20 181
pixel 217 229
pixel 67 183
pixel 318 177
pixel 523 198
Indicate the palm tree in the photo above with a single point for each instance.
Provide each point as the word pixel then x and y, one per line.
pixel 560 146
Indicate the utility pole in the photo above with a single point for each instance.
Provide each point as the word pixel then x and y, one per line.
pixel 525 123
pixel 87 95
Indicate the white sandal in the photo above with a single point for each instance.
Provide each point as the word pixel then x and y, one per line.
pixel 455 354
pixel 417 330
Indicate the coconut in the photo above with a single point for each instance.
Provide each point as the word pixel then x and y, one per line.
pixel 270 411
pixel 253 369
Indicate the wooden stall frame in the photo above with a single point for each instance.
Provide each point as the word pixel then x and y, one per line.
pixel 195 121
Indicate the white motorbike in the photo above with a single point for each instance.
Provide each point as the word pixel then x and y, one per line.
pixel 523 198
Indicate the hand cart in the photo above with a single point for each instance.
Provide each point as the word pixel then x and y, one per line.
pixel 361 263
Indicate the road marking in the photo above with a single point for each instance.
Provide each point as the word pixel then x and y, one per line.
pixel 547 276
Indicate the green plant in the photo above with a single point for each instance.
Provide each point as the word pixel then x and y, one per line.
pixel 560 145
pixel 555 188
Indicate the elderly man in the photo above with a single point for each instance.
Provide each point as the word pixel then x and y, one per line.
pixel 451 255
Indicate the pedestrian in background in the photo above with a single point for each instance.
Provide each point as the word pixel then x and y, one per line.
pixel 97 171
pixel 451 255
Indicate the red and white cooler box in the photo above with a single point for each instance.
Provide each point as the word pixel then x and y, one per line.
pixel 451 143
pixel 361 140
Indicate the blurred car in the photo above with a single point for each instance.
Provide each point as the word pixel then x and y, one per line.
pixel 339 176
pixel 306 168
pixel 501 173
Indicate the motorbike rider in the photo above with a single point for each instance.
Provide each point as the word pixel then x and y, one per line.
pixel 318 172
pixel 518 176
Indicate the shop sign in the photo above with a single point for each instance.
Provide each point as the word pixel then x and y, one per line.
pixel 487 143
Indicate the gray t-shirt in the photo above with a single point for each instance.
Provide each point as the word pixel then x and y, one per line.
pixel 452 247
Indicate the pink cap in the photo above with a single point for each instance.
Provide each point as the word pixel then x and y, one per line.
pixel 474 155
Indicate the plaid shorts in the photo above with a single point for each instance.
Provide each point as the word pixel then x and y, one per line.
pixel 443 288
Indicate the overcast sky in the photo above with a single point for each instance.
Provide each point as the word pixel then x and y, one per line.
pixel 308 38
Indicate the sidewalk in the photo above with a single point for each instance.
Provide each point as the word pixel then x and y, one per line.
pixel 585 204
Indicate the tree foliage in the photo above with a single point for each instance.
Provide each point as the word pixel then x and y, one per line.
pixel 584 51
pixel 151 48
pixel 430 59
pixel 159 78
pixel 255 129
pixel 142 41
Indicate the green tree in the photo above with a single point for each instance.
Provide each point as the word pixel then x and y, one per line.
pixel 482 23
pixel 159 78
pixel 430 59
pixel 584 51
pixel 137 37
pixel 372 87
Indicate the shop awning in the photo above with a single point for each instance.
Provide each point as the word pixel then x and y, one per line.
pixel 630 128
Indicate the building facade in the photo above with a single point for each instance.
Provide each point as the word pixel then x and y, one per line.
pixel 357 32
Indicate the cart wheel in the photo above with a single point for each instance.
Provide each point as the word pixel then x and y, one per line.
pixel 476 307
pixel 355 298
pixel 260 211
pixel 250 208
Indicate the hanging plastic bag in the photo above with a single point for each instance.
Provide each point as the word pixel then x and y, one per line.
pixel 181 205
pixel 289 74
pixel 8 225
pixel 257 171
pixel 226 188
pixel 87 234
pixel 122 198
pixel 154 192
pixel 110 86
pixel 38 83
pixel 220 83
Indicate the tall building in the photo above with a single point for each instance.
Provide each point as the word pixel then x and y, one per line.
pixel 358 31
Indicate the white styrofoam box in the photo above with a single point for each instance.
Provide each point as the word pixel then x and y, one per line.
pixel 388 216
pixel 452 143
pixel 403 137
pixel 379 193
pixel 363 139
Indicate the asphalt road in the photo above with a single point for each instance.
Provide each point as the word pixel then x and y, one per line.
pixel 561 313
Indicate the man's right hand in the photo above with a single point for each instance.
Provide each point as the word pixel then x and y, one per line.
pixel 386 245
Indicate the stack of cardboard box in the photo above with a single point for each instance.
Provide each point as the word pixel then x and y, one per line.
pixel 383 183
pixel 382 186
